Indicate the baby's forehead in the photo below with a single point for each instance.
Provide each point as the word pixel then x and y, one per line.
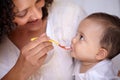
pixel 92 22
pixel 97 22
pixel 93 26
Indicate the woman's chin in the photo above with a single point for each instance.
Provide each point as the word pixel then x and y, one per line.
pixel 34 28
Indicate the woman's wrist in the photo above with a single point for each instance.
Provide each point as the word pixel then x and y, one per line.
pixel 14 74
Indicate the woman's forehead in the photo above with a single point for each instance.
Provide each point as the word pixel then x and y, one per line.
pixel 23 4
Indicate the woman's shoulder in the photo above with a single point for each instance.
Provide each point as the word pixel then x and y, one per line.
pixel 7 49
pixel 5 44
pixel 8 56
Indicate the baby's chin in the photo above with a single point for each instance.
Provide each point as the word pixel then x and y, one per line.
pixel 72 54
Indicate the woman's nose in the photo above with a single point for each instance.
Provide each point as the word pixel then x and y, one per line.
pixel 35 14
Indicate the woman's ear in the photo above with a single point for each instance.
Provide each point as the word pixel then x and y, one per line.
pixel 42 3
pixel 102 54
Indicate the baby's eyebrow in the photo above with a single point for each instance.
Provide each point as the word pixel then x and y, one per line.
pixel 79 32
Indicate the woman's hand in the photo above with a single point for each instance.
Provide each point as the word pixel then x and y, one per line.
pixel 31 58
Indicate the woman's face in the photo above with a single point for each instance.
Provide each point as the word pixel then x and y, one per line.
pixel 28 14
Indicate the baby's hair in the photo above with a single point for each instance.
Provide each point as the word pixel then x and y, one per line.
pixel 111 36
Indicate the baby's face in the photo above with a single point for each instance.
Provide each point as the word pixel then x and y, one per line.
pixel 86 43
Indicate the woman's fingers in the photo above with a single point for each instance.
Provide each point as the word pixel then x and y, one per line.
pixel 42 59
pixel 43 51
pixel 35 50
pixel 36 42
pixel 40 50
pixel 41 46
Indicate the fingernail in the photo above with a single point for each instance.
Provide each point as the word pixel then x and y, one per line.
pixel 43 35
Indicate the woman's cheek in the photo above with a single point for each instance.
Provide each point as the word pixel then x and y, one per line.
pixel 20 22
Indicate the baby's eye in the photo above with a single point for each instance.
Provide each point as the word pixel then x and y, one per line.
pixel 81 37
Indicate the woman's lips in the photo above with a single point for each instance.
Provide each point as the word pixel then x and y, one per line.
pixel 34 22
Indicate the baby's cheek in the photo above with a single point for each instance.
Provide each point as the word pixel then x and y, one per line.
pixel 72 54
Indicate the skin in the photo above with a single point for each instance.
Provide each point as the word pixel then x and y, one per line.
pixel 119 73
pixel 29 25
pixel 86 44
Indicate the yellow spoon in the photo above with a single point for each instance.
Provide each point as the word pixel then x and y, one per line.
pixel 55 42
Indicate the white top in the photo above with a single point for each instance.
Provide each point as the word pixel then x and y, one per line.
pixel 8 56
pixel 103 70
pixel 116 61
pixel 58 65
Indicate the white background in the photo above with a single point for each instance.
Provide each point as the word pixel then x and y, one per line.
pixel 108 6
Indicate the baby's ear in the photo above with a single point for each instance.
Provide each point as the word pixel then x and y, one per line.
pixel 102 54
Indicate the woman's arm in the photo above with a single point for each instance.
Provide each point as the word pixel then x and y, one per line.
pixel 30 60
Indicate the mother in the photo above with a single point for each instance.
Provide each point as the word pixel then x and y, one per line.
pixel 22 20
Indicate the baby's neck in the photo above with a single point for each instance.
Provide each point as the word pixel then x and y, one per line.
pixel 85 66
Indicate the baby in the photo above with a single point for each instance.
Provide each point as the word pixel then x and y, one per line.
pixel 95 44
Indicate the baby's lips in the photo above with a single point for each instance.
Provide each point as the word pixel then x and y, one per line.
pixel 69 48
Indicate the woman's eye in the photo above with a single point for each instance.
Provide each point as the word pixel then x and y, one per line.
pixel 21 14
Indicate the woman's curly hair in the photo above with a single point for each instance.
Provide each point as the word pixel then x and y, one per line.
pixel 7 15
